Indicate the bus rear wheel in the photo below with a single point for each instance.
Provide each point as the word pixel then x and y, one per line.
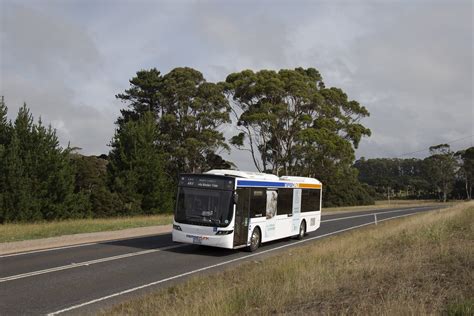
pixel 255 240
pixel 302 230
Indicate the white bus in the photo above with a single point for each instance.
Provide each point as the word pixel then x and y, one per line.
pixel 234 209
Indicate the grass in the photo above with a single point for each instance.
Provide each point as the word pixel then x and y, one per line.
pixel 422 264
pixel 17 232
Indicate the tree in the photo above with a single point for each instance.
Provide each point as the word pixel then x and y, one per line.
pixel 5 137
pixel 136 170
pixel 188 111
pixel 5 126
pixel 441 168
pixel 393 177
pixel 91 181
pixel 289 119
pixel 38 176
pixel 143 96
pixel 466 170
pixel 292 124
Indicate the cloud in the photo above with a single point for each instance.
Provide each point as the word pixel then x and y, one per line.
pixel 54 66
pixel 409 63
pixel 416 69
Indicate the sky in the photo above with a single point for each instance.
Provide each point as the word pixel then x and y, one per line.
pixel 410 63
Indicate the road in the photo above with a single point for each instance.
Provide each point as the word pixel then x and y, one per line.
pixel 85 279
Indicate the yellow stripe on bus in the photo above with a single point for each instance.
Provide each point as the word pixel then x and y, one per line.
pixel 309 186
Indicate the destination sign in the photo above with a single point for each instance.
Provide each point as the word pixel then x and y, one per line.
pixel 206 182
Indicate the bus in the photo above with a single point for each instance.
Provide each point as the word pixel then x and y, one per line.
pixel 235 209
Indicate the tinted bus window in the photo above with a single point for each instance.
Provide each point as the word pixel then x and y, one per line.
pixel 243 202
pixel 310 200
pixel 258 202
pixel 285 201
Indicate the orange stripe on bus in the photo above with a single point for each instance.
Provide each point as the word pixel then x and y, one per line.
pixel 309 186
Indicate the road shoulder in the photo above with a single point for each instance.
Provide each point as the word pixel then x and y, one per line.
pixel 78 239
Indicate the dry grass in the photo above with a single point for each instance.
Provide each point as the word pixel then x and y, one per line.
pixel 17 232
pixel 422 264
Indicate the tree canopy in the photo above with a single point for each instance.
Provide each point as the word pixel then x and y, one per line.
pixel 37 179
pixel 289 119
pixel 291 123
pixel 136 169
pixel 188 110
pixel 442 175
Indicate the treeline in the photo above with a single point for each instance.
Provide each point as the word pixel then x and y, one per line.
pixel 443 175
pixel 288 121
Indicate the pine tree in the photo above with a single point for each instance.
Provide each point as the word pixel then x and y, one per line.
pixel 37 175
pixel 5 135
pixel 136 168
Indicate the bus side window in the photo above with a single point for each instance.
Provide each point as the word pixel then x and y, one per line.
pixel 310 200
pixel 285 201
pixel 258 202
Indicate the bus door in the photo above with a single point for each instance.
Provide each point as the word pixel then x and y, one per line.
pixel 296 211
pixel 242 217
pixel 284 220
pixel 271 211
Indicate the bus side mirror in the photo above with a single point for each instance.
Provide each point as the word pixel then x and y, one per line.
pixel 236 197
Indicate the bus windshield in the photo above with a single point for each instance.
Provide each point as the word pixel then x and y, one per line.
pixel 206 207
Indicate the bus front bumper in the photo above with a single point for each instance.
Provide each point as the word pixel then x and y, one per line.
pixel 205 236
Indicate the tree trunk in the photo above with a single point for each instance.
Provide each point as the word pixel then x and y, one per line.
pixel 445 193
pixel 468 196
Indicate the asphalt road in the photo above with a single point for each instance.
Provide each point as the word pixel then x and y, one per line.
pixel 84 279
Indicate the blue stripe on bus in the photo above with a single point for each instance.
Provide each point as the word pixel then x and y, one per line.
pixel 250 183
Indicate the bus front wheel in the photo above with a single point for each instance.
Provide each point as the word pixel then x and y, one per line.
pixel 255 240
pixel 302 230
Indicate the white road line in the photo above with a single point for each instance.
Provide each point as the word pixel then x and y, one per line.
pixel 372 214
pixel 212 266
pixel 75 246
pixel 48 249
pixel 86 263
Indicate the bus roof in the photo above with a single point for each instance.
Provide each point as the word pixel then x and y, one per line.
pixel 262 176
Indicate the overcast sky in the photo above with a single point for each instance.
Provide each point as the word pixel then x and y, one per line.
pixel 409 62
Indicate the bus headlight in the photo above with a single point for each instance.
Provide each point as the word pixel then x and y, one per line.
pixel 224 232
pixel 177 227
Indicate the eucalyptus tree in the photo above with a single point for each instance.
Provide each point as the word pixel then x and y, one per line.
pixel 466 169
pixel 291 123
pixel 441 167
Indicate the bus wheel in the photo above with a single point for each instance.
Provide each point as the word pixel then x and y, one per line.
pixel 302 230
pixel 254 240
